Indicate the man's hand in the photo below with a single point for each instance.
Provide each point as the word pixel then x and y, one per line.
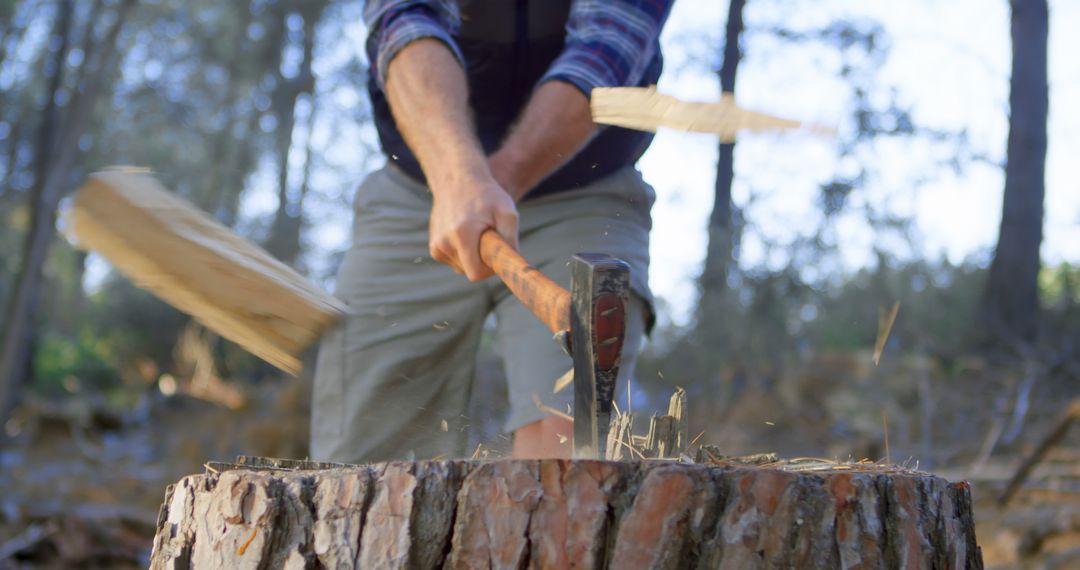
pixel 461 212
pixel 428 95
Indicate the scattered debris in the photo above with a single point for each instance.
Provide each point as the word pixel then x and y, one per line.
pixel 619 437
pixel 885 323
pixel 540 405
pixel 563 381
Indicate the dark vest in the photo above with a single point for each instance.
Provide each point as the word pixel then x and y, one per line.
pixel 508 45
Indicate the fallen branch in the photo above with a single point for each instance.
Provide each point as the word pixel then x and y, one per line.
pixel 1061 427
pixel 35 534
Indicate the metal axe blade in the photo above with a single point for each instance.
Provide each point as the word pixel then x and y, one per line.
pixel 600 299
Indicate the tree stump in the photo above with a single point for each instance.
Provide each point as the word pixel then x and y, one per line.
pixel 564 514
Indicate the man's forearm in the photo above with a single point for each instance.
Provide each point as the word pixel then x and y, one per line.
pixel 429 98
pixel 554 126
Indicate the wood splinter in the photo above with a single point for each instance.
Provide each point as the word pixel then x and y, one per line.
pixel 646 109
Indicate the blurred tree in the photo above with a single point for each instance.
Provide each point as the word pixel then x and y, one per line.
pixel 295 83
pixel 1011 302
pixel 720 256
pixel 193 92
pixel 16 134
pixel 57 152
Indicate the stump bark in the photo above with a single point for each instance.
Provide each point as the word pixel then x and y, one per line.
pixel 564 514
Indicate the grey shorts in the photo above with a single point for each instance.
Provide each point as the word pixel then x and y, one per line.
pixel 395 377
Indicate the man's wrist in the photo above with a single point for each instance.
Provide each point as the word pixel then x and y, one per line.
pixel 554 126
pixel 459 173
pixel 506 168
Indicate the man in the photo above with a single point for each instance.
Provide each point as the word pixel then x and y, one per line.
pixel 482 108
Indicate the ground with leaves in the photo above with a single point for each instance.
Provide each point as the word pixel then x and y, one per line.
pixel 83 483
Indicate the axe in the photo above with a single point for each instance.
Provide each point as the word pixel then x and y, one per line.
pixel 235 288
pixel 589 322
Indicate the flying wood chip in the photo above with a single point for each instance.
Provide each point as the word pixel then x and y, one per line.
pixel 194 263
pixel 885 323
pixel 646 109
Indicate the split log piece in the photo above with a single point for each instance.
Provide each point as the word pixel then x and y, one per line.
pixel 662 436
pixel 189 260
pixel 677 410
pixel 620 437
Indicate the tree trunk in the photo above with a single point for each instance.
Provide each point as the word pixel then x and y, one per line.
pixel 18 330
pixel 63 151
pixel 720 255
pixel 12 32
pixel 714 308
pixel 1012 299
pixel 558 513
pixel 284 239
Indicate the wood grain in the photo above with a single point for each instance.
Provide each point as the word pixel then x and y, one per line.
pixel 194 263
pixel 562 514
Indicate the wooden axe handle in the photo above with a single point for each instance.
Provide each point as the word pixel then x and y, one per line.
pixel 545 298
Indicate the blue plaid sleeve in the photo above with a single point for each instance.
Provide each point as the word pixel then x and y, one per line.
pixel 393 24
pixel 609 43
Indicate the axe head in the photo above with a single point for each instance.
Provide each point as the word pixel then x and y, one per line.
pixel 600 300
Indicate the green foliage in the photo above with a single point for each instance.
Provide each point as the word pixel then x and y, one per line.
pixel 136 323
pixel 85 362
pixel 938 304
pixel 1060 285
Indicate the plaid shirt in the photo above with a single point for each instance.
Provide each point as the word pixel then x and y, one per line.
pixel 609 43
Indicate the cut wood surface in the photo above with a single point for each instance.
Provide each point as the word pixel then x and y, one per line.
pixel 562 514
pixel 199 266
pixel 646 109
